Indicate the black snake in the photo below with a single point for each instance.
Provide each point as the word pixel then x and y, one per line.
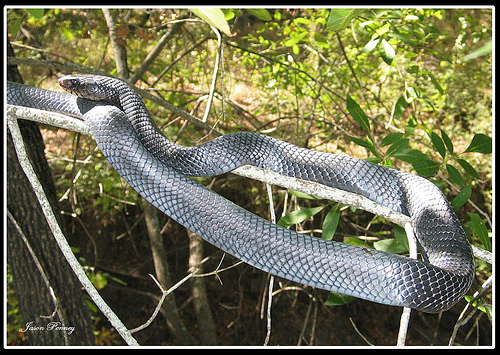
pixel 155 168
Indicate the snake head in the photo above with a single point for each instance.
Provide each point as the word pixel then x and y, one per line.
pixel 85 86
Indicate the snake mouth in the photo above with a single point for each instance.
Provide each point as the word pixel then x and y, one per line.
pixel 68 83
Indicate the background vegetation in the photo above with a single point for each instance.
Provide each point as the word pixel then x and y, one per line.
pixel 407 88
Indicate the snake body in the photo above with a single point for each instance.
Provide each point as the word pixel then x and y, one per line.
pixel 156 168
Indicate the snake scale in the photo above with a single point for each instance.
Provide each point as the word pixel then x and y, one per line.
pixel 156 168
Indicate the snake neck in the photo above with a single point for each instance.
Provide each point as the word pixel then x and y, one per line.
pixel 138 115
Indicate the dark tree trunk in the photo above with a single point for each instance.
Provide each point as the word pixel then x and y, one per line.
pixel 31 291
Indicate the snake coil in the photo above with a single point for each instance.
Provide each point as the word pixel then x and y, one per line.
pixel 155 168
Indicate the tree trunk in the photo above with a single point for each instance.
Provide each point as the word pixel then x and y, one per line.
pixel 206 324
pixel 26 219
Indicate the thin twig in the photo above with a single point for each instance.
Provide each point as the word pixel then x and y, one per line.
pixel 464 317
pixel 165 293
pixel 405 316
pixel 214 76
pixel 270 286
pixel 359 333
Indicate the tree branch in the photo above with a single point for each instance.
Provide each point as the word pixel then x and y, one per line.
pixel 252 172
pixel 59 236
pixel 118 48
pixel 155 52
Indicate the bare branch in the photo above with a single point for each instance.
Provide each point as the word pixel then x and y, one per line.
pixel 59 236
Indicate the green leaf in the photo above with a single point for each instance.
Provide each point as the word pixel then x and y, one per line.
pixel 357 113
pixel 69 35
pixel 357 242
pixel 36 13
pixel 303 195
pixel 400 236
pixel 321 41
pixel 299 216
pixel 301 21
pixel 390 246
pixel 425 167
pixel 468 168
pixel 410 155
pixel 481 143
pixel 399 108
pixel 413 69
pixel 382 30
pixel 338 299
pixel 455 175
pixel 370 45
pixel 411 126
pixel 228 14
pixel 295 39
pixel 437 142
pixel 340 18
pixel 391 138
pixel 479 230
pixel 483 50
pixel 331 222
pixel 488 309
pixel 414 93
pixel 214 17
pixel 261 14
pixel 366 144
pixel 15 26
pixel 461 198
pixel 99 280
pixel 397 146
pixel 410 54
pixel 362 142
pixel 436 83
pixel 403 38
pixel 387 52
pixel 447 141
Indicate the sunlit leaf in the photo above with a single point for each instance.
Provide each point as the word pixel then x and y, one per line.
pixel 483 50
pixel 214 17
pixel 320 40
pixel 261 14
pixel 340 18
pixel 386 52
pixel 370 45
pixel 295 39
